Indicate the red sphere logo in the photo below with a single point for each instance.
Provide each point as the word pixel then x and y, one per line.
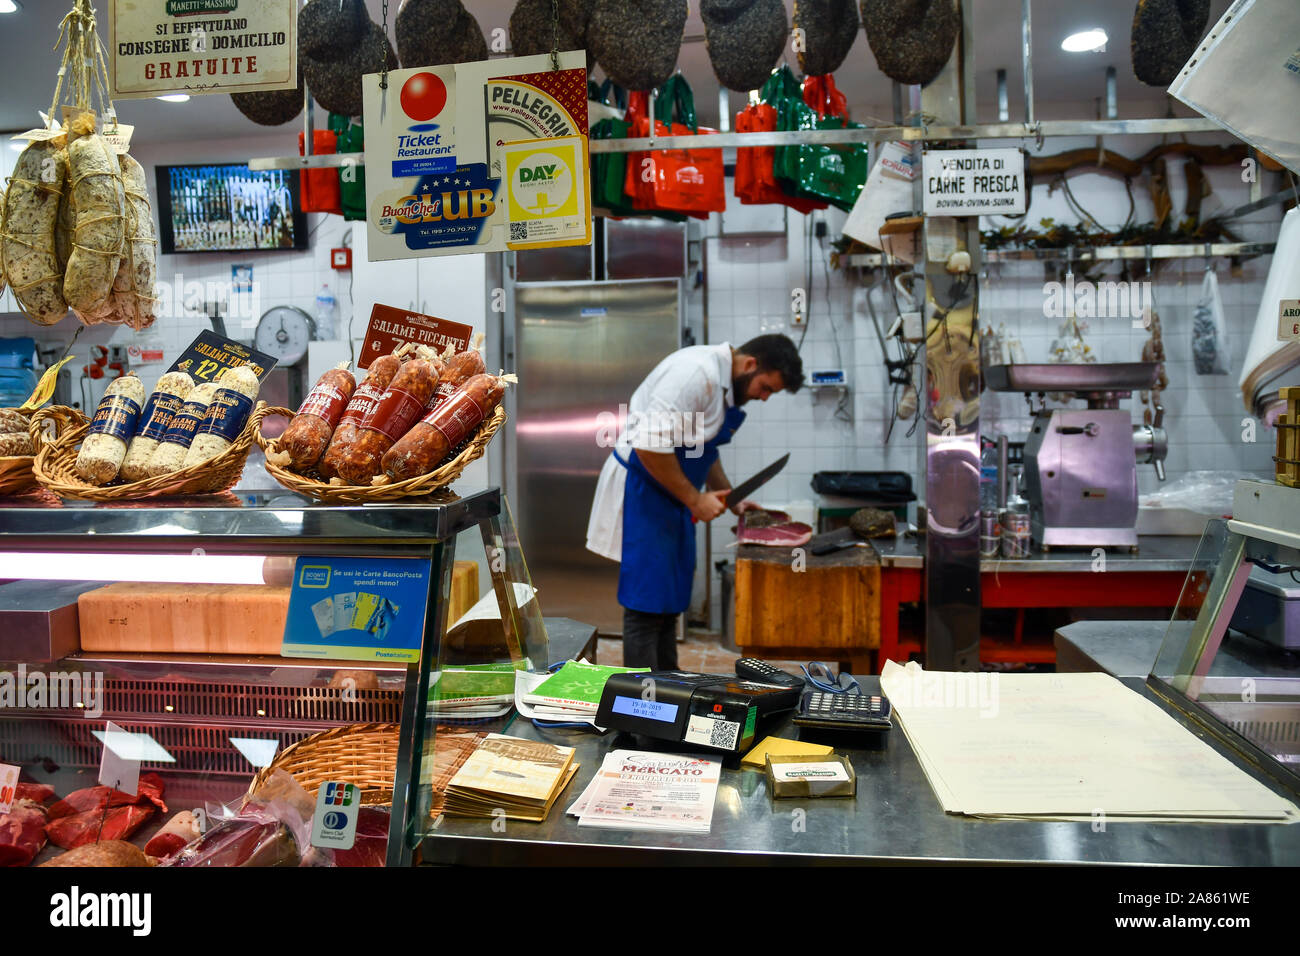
pixel 423 97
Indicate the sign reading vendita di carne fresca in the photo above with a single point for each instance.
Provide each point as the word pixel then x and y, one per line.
pixel 201 46
pixel 477 157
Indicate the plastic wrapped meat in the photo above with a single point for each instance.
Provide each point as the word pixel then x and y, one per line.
pixel 22 832
pixel 370 847
pixel 180 830
pixel 254 838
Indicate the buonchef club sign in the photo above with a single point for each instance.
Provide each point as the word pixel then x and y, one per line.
pixel 477 157
pixel 202 46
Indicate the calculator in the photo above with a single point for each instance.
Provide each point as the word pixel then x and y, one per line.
pixel 848 712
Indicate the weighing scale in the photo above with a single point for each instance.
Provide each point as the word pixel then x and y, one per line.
pixel 284 332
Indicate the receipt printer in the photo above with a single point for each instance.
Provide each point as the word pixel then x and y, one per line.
pixel 715 711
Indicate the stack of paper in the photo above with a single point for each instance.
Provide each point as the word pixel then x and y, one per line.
pixel 572 691
pixel 450 751
pixel 508 776
pixel 472 691
pixel 635 790
pixel 1074 747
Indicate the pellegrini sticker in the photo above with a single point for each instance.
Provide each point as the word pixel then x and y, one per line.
pixel 477 157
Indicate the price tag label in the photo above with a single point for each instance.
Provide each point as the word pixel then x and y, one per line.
pixel 8 786
pixel 119 767
pixel 1288 320
pixel 335 824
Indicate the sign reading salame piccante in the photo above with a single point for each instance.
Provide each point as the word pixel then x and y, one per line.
pixel 201 46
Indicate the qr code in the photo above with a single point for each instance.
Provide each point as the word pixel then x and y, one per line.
pixel 518 230
pixel 723 734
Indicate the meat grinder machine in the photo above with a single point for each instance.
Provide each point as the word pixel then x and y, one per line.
pixel 1081 464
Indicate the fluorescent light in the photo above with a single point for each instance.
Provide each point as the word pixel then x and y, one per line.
pixel 8 6
pixel 1086 41
pixel 18 144
pixel 152 568
pixel 170 97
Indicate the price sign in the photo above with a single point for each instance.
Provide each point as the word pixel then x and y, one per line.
pixel 8 785
pixel 1288 320
pixel 119 767
pixel 209 355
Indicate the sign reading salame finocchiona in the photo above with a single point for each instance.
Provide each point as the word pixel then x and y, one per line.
pixel 202 46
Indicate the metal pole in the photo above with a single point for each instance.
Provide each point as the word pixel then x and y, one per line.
pixel 1027 60
pixel 952 366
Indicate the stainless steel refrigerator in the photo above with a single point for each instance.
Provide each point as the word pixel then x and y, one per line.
pixel 581 349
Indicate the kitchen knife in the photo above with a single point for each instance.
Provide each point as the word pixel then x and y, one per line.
pixel 751 485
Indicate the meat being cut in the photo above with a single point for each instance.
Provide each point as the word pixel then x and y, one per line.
pixel 773 529
pixel 22 832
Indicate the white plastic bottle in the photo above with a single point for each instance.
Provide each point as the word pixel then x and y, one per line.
pixel 326 311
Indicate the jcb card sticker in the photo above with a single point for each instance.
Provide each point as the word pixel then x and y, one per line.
pixel 1288 320
pixel 334 826
pixel 438 141
pixel 374 610
pixel 548 199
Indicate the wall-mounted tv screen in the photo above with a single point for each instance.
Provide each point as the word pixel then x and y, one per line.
pixel 229 208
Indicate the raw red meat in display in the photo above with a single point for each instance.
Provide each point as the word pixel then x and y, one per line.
pixel 772 528
pixel 96 798
pixel 82 828
pixel 80 818
pixel 22 832
pixel 175 833
pixel 35 792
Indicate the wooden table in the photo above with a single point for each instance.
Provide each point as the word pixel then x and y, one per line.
pixel 800 606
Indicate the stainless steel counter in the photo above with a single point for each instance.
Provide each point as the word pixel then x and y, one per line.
pixel 1129 648
pixel 894 819
pixel 1155 553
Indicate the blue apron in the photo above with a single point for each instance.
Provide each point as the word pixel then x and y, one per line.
pixel 658 564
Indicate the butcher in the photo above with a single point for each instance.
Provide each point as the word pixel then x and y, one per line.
pixel 663 474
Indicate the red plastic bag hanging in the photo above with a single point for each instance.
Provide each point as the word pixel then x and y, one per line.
pixel 821 93
pixel 690 181
pixel 319 188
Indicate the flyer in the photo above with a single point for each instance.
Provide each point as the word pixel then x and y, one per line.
pixel 477 157
pixel 359 609
pixel 637 790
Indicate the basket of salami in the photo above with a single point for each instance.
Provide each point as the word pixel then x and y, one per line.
pixel 409 429
pixel 184 439
pixel 15 452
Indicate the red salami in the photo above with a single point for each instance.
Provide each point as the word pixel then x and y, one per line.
pixel 308 435
pixel 397 411
pixel 362 403
pixel 426 445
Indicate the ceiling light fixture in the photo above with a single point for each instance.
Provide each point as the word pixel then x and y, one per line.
pixel 8 6
pixel 1085 41
pixel 174 98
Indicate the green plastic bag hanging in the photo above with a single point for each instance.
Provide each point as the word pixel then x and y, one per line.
pixel 352 179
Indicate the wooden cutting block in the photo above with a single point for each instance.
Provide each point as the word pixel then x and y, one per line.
pixel 184 618
pixel 828 602
pixel 464 590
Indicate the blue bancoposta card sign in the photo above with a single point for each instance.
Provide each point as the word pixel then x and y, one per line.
pixel 357 609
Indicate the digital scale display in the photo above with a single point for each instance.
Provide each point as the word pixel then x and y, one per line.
pixel 649 709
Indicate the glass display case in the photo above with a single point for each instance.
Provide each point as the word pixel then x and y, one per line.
pixel 1230 659
pixel 227 639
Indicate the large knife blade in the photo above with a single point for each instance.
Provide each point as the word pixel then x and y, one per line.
pixel 751 485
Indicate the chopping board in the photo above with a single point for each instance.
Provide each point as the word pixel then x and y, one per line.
pixel 184 618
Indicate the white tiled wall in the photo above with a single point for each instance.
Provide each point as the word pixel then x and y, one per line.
pixel 749 293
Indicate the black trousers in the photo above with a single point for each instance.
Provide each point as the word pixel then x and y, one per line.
pixel 649 640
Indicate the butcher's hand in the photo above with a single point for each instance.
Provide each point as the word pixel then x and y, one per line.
pixel 708 505
pixel 741 507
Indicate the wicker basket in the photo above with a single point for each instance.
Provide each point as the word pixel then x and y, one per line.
pixel 16 474
pixel 361 754
pixel 56 461
pixel 435 480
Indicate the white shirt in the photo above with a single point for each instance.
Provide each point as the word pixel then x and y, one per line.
pixel 681 403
